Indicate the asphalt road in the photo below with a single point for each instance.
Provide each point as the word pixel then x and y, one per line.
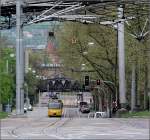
pixel 73 125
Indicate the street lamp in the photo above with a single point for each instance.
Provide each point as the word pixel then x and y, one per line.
pixel 37 76
pixel 85 53
pixel 29 69
pixel 12 55
pixel 83 67
pixel 90 43
pixel 33 71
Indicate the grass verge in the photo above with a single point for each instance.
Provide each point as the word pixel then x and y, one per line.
pixel 141 114
pixel 3 115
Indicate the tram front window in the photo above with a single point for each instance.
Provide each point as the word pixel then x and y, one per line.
pixel 54 105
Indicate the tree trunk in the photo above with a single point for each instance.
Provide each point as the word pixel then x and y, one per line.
pixel 94 101
pixel 133 88
pixel 138 102
pixel 97 103
pixel 100 103
pixel 145 86
pixel 147 94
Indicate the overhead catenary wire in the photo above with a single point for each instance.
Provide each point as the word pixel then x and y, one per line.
pixel 47 10
pixel 105 5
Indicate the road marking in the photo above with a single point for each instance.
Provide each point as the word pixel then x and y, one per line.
pixel 56 136
pixel 78 113
pixel 132 133
pixel 101 123
pixel 5 135
pixel 33 134
pixel 106 134
pixel 64 112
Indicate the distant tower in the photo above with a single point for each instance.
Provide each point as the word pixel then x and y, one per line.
pixel 52 54
pixel 51 48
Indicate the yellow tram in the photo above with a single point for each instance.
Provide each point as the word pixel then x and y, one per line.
pixel 55 108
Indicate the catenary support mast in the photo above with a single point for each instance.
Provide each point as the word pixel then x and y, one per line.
pixel 19 60
pixel 121 58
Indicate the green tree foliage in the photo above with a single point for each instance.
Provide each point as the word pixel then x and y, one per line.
pixel 137 44
pixel 36 58
pixel 74 39
pixel 32 83
pixel 102 56
pixel 7 88
pixel 7 73
pixel 31 86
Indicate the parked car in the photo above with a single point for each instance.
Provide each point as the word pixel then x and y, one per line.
pixel 85 109
pixel 25 108
pixel 97 115
pixel 30 108
pixel 83 103
pixel 100 115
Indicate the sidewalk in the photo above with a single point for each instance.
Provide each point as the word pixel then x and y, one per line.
pixel 14 115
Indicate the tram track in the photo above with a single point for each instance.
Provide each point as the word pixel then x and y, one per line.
pixel 55 127
pixel 69 118
pixel 44 128
pixel 13 132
